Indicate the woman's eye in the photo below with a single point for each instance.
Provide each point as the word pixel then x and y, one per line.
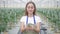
pixel 28 7
pixel 31 7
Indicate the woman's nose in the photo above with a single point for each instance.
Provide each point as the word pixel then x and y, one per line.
pixel 30 9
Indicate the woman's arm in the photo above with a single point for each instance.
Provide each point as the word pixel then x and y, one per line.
pixel 37 29
pixel 22 28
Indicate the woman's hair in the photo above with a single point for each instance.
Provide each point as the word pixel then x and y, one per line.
pixel 26 13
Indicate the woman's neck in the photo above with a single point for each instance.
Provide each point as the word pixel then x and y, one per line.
pixel 30 15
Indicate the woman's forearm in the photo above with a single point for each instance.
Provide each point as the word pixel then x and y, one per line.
pixel 22 29
pixel 37 30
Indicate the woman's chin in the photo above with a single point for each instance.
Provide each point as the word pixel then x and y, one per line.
pixel 30 13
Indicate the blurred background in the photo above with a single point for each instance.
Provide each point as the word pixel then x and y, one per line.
pixel 12 10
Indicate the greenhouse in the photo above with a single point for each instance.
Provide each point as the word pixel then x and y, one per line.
pixel 11 12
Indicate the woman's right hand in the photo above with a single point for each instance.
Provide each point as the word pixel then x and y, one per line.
pixel 29 28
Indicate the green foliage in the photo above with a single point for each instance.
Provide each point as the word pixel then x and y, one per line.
pixel 9 15
pixel 53 15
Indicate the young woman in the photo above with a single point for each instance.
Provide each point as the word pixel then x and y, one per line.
pixel 32 18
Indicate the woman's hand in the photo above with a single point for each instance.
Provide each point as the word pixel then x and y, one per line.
pixel 29 28
pixel 22 27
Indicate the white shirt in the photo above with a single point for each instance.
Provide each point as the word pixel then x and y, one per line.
pixel 30 19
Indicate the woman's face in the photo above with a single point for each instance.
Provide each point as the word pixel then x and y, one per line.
pixel 30 8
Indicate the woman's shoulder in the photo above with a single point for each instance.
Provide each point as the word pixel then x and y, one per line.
pixel 38 19
pixel 23 17
pixel 37 16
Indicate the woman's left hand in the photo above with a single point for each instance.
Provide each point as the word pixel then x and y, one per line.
pixel 31 28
